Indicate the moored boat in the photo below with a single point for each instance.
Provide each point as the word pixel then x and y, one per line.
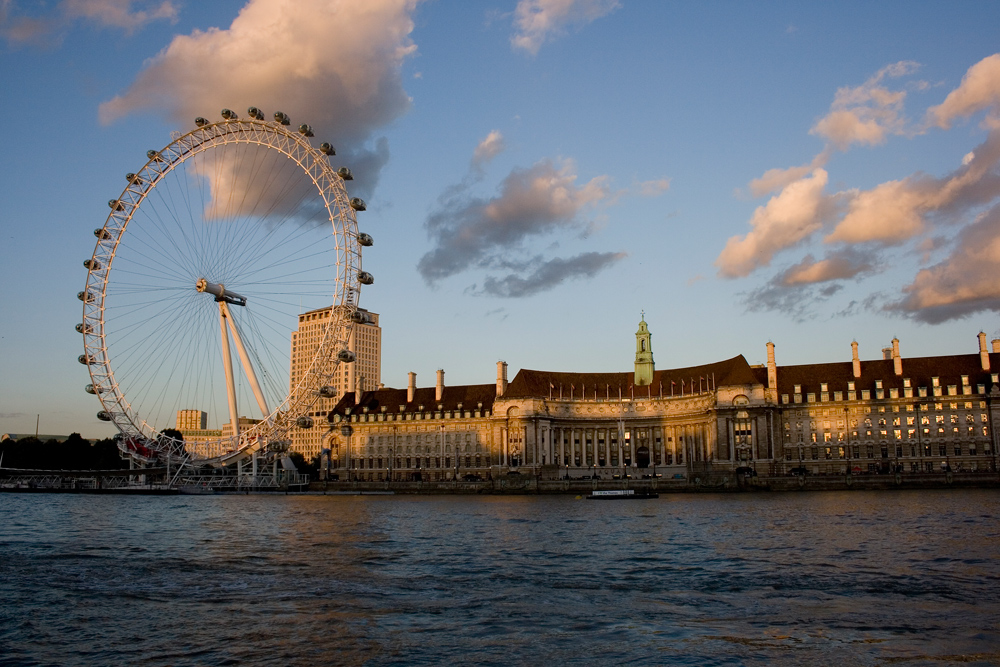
pixel 622 494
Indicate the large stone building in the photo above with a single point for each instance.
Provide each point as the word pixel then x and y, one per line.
pixel 887 415
pixel 891 414
pixel 365 373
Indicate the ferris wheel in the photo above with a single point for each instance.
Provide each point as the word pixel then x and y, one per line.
pixel 218 244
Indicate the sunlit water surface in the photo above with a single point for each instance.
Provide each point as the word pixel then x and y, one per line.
pixel 853 578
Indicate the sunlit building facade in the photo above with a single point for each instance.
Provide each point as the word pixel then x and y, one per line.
pixel 884 416
pixel 365 373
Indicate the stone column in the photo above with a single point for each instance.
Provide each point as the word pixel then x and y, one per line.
pixel 631 445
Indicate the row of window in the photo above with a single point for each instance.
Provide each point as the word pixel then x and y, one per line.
pixel 377 463
pixel 897 434
pixel 869 451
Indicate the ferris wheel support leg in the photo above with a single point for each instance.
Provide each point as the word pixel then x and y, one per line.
pixel 227 361
pixel 246 361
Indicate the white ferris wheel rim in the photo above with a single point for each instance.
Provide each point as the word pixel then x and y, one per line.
pixel 272 430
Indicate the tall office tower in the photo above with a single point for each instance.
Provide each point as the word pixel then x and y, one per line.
pixel 192 420
pixel 365 373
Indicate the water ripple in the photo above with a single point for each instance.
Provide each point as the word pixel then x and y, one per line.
pixel 786 579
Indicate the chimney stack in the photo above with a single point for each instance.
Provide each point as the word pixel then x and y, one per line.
pixel 897 361
pixel 501 378
pixel 411 386
pixel 984 355
pixel 772 368
pixel 855 360
pixel 996 344
pixel 439 388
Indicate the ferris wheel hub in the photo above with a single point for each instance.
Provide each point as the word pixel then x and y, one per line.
pixel 220 292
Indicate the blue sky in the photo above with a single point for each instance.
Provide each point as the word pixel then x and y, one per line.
pixel 802 173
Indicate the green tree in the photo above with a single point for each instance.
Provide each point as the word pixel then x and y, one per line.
pixel 303 466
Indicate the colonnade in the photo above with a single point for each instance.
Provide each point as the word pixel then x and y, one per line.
pixel 532 443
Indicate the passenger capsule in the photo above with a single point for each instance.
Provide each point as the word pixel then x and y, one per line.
pixel 86 296
pixel 304 422
pixel 345 174
pixel 358 204
pixel 365 239
pixel 104 416
pixel 85 359
pixel 229 115
pixel 92 264
pixel 365 278
pixel 346 356
pixel 328 392
pixel 326 148
pixel 115 205
pixel 154 155
pixel 102 234
pixel 200 122
pixel 255 113
pixel 83 328
pixel 90 389
pixel 305 130
pixel 359 317
pixel 279 445
pixel 282 117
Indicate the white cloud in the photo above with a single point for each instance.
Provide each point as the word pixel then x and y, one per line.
pixel 120 13
pixel 963 284
pixel 537 21
pixel 789 218
pixel 896 211
pixel 470 232
pixel 980 89
pixel 915 215
pixel 841 265
pixel 488 148
pixel 48 27
pixel 654 188
pixel 334 65
pixel 867 113
pixel 776 179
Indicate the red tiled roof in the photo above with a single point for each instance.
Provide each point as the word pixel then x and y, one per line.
pixel 542 384
pixel 948 369
pixel 470 396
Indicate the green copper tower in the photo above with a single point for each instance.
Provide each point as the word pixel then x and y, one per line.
pixel 643 354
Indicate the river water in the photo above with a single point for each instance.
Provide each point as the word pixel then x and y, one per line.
pixel 852 578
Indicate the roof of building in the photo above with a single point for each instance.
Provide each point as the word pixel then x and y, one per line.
pixel 531 383
pixel 919 370
pixel 470 396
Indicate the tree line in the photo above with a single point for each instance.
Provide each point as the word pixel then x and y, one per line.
pixel 74 453
pixel 77 453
